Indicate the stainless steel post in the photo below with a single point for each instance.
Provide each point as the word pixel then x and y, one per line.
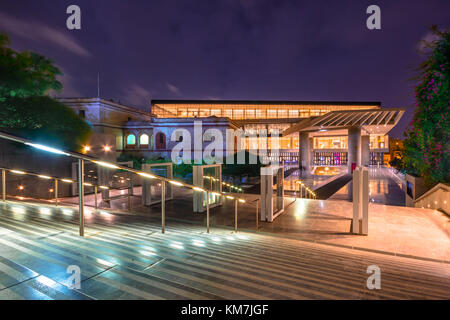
pixel 257 218
pixel 95 197
pixel 163 206
pixel 81 195
pixel 56 192
pixel 4 185
pixel 207 211
pixel 235 215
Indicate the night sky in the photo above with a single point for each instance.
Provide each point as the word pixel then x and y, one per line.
pixel 230 49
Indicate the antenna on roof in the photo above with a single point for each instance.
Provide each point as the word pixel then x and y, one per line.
pixel 98 85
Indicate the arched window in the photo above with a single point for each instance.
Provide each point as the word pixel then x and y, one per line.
pixel 131 140
pixel 160 141
pixel 143 140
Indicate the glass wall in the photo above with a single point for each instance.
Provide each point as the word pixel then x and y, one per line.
pixel 379 142
pixel 330 142
pixel 247 111
pixel 330 158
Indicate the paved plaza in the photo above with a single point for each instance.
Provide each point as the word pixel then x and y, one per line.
pixel 125 256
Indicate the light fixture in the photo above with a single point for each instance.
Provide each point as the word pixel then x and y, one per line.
pixel 198 189
pixel 106 164
pixel 230 197
pixel 44 177
pixel 67 180
pixel 216 194
pixel 45 148
pixel 18 172
pixel 242 200
pixel 107 148
pixel 20 187
pixel 86 149
pixel 50 190
pixel 146 175
pixel 104 187
pixel 176 183
pixel 87 184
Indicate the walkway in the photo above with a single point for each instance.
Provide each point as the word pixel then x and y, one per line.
pixel 384 188
pixel 126 257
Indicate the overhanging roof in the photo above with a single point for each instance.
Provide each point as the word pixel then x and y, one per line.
pixel 373 121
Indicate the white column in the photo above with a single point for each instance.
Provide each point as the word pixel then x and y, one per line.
pixel 305 152
pixel 365 150
pixel 354 147
pixel 356 200
pixel 365 201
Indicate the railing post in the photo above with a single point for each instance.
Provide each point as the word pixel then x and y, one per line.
pixel 81 195
pixel 4 185
pixel 163 206
pixel 235 215
pixel 257 218
pixel 207 211
pixel 56 192
pixel 129 199
pixel 95 197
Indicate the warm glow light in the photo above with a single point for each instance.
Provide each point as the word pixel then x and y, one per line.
pixel 18 172
pixel 106 164
pixel 87 184
pixel 104 187
pixel 198 189
pixel 45 148
pixel 20 187
pixel 146 175
pixel 107 148
pixel 242 200
pixel 216 194
pixel 67 180
pixel 230 197
pixel 50 190
pixel 44 177
pixel 176 183
pixel 45 211
pixel 86 149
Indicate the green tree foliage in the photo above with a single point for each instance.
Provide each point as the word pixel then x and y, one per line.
pixel 427 138
pixel 24 74
pixel 44 119
pixel 25 78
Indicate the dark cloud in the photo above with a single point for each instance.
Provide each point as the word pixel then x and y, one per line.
pixel 231 49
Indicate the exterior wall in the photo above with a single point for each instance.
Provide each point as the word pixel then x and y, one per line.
pixel 437 198
pixel 415 187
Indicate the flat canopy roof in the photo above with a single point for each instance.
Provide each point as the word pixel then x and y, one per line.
pixel 374 121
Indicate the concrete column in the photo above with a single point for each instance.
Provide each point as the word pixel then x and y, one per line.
pixel 354 147
pixel 365 150
pixel 305 153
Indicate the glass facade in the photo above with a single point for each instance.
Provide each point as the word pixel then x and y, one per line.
pixel 330 158
pixel 236 111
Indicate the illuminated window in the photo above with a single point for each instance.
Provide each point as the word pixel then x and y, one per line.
pixel 272 114
pixel 143 140
pixel 216 112
pixel 293 113
pixel 228 113
pixel 282 113
pixel 238 114
pixel 250 114
pixel 260 114
pixel 131 139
